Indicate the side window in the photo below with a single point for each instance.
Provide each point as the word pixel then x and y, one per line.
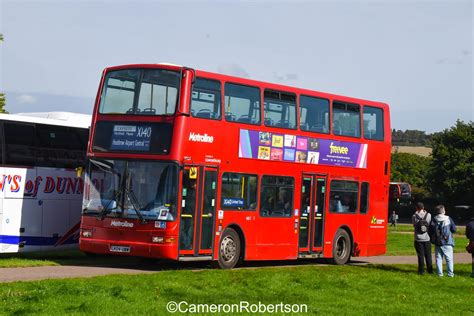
pixel 373 123
pixel 280 109
pixel 314 114
pixel 239 191
pixel 206 99
pixel 62 147
pixel 276 196
pixel 343 196
pixel 364 198
pixel 346 119
pixel 20 145
pixel 242 104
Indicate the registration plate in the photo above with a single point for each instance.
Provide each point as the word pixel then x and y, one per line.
pixel 119 249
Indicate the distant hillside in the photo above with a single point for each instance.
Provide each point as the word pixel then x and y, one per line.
pixel 417 150
pixel 410 138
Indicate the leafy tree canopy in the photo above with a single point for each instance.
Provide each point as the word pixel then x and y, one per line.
pixel 452 165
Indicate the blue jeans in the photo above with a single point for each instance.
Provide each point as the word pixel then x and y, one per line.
pixel 446 252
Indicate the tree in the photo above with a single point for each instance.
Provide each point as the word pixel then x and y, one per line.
pixel 452 166
pixel 2 95
pixel 412 169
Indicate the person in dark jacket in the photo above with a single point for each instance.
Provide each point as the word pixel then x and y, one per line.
pixel 470 236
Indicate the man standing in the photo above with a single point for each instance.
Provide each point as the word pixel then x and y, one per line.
pixel 421 221
pixel 470 236
pixel 442 229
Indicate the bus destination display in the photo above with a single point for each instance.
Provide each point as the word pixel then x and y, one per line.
pixel 131 138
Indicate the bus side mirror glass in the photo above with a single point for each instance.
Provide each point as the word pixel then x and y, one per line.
pixel 79 171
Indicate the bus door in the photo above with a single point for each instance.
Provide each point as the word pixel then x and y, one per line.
pixel 198 208
pixel 313 197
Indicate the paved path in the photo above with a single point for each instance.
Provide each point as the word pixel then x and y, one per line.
pixel 74 271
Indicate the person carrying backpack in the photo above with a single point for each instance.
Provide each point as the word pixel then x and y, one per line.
pixel 442 229
pixel 421 221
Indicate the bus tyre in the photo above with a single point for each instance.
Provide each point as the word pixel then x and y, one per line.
pixel 229 249
pixel 341 248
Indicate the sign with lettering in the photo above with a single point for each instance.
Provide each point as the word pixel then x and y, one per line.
pixel 130 137
pixel 301 149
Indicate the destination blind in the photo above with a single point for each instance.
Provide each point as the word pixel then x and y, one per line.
pixel 137 137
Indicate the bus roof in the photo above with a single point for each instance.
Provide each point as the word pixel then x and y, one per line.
pixel 242 80
pixel 51 118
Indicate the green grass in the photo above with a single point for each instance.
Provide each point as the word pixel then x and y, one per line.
pixel 401 244
pixel 355 290
pixel 461 230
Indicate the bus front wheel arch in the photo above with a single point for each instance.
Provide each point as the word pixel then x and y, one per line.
pixel 229 249
pixel 341 247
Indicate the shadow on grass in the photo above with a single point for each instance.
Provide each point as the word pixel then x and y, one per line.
pixel 77 258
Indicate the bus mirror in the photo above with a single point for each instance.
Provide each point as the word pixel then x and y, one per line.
pixel 187 80
pixel 79 171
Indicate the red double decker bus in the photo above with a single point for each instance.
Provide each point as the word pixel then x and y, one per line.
pixel 192 165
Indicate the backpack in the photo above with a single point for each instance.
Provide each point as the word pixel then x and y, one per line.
pixel 422 225
pixel 440 233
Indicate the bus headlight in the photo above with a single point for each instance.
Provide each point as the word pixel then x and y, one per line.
pixel 157 239
pixel 87 233
pixel 162 240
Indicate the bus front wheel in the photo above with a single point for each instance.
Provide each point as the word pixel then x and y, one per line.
pixel 229 249
pixel 341 248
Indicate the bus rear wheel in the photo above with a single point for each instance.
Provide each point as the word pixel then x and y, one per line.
pixel 341 248
pixel 229 249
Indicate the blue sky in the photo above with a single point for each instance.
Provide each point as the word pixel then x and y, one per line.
pixel 416 56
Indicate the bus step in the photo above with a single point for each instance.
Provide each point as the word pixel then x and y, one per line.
pixel 201 258
pixel 310 255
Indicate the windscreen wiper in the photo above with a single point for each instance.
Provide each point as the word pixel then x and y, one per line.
pixel 106 209
pixel 136 205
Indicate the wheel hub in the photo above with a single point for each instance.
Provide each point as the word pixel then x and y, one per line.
pixel 228 248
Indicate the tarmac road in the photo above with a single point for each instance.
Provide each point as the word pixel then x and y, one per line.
pixel 136 266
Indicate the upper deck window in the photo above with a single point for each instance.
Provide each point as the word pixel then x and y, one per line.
pixel 314 114
pixel 242 104
pixel 346 119
pixel 206 99
pixel 140 92
pixel 280 109
pixel 373 123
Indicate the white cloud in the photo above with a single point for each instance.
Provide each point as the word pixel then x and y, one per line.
pixel 26 99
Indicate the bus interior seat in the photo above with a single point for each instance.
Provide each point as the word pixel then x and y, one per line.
pixel 245 119
pixel 132 111
pixel 305 126
pixel 149 111
pixel 285 124
pixel 230 117
pixel 319 128
pixel 205 113
pixel 269 122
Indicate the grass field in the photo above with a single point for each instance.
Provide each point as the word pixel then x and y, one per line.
pixel 400 241
pixel 417 150
pixel 355 290
pixel 461 231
